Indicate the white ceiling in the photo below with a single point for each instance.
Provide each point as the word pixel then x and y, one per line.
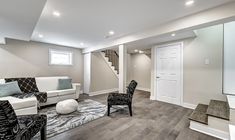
pixel 88 21
pixel 150 42
pixel 19 17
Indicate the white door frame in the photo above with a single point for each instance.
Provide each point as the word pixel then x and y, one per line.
pixel 154 79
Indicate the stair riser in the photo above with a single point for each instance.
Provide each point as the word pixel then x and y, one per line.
pixel 232 116
pixel 209 130
pixel 219 124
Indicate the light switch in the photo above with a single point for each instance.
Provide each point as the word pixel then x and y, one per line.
pixel 207 61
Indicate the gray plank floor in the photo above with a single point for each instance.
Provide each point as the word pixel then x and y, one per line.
pixel 152 120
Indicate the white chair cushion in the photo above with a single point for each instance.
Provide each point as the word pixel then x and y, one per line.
pixel 66 106
pixel 21 103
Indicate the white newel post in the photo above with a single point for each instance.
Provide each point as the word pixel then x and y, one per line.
pixel 122 68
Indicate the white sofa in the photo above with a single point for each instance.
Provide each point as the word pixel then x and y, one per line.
pixel 45 84
pixel 50 85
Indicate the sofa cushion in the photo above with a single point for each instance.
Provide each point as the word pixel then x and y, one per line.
pixel 41 96
pixel 21 103
pixel 9 89
pixel 46 84
pixel 66 92
pixel 65 84
pixel 53 93
pixel 27 85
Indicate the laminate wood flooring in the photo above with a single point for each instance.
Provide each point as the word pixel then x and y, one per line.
pixel 152 120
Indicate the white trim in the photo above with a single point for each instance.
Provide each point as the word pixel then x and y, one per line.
pixel 87 72
pixel 143 89
pixel 152 98
pixel 232 131
pixel 208 130
pixel 103 91
pixel 181 68
pixel 108 63
pixel 188 105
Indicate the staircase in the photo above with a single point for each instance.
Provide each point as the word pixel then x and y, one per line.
pixel 212 119
pixel 112 59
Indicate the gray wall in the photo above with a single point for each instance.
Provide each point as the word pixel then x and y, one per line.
pixel 102 77
pixel 139 69
pixel 203 82
pixel 24 59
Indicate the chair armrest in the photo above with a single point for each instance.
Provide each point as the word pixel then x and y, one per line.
pixel 77 87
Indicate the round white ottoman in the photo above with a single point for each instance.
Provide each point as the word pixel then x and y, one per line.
pixel 66 106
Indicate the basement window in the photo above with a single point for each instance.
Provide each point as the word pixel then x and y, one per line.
pixel 57 57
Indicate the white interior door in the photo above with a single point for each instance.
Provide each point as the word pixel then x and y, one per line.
pixel 169 73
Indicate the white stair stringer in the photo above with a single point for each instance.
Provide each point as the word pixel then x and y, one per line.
pixel 109 63
pixel 232 131
pixel 216 127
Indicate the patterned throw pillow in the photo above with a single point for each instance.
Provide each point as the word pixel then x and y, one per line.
pixel 27 85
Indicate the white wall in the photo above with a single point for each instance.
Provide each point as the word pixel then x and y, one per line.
pixel 25 59
pixel 102 77
pixel 229 57
pixel 139 69
pixel 204 82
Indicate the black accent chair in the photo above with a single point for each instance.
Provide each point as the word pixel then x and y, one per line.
pixel 121 98
pixel 14 127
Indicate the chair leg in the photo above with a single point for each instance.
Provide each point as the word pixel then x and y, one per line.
pixel 109 109
pixel 130 109
pixel 44 133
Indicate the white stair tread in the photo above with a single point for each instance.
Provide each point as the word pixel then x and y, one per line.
pixel 232 132
pixel 231 101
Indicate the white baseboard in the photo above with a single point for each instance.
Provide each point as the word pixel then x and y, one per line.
pixel 208 130
pixel 188 105
pixel 143 89
pixel 152 98
pixel 103 91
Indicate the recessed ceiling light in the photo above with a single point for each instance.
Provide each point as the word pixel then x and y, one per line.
pixel 56 13
pixel 111 32
pixel 82 44
pixel 189 2
pixel 141 51
pixel 173 34
pixel 40 36
pixel 136 50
